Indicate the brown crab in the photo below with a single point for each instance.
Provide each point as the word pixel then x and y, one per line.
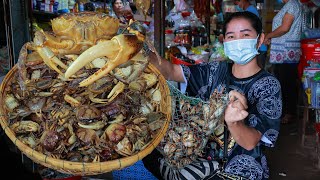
pixel 118 50
pixel 72 33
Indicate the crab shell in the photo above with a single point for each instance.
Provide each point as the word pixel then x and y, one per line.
pixel 76 32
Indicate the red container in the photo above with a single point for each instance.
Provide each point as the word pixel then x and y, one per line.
pixel 309 3
pixel 310 51
pixel 185 13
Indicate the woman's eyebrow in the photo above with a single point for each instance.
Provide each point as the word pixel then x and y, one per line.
pixel 244 30
pixel 229 33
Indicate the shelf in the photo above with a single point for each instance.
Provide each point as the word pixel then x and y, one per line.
pixel 45 13
pixel 43 16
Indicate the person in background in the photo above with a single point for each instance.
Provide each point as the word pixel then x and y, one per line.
pixel 253 113
pixel 245 5
pixel 132 6
pixel 122 11
pixel 285 53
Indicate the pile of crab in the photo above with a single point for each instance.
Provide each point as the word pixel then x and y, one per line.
pixel 194 121
pixel 84 92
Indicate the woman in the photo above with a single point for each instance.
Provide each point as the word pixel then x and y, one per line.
pixel 253 124
pixel 285 53
pixel 122 11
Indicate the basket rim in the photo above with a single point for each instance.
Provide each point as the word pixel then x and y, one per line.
pixel 84 168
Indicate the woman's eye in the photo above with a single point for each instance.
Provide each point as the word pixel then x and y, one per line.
pixel 230 37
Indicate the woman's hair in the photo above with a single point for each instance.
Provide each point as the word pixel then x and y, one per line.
pixel 113 1
pixel 252 18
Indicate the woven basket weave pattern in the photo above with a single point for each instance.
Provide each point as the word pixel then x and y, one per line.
pixel 83 168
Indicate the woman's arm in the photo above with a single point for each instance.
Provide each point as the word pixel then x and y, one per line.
pixel 282 29
pixel 170 71
pixel 246 137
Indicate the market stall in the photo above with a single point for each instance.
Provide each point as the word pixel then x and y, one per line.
pixel 183 32
pixel 191 33
pixel 309 69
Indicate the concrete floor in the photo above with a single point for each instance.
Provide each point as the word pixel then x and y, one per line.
pixel 289 159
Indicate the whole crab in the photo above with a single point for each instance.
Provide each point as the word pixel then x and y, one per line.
pixel 72 33
pixel 86 35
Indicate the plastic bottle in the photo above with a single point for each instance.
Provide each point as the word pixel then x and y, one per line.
pixel 317 94
pixel 169 37
pixel 81 7
pixel 185 28
pixel 76 8
pixel 71 4
pixel 63 6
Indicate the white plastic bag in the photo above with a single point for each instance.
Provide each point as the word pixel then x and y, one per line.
pixel 180 5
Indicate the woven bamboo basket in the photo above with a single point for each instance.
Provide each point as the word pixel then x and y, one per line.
pixel 85 168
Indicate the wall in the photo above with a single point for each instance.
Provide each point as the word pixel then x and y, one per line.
pixel 270 9
pixel 19 25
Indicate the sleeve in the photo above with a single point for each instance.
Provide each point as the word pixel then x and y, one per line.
pixel 294 9
pixel 265 97
pixel 203 78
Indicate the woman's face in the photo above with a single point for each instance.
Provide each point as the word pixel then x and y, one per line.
pixel 239 28
pixel 118 4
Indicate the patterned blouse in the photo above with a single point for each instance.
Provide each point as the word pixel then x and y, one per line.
pixel 286 48
pixel 263 93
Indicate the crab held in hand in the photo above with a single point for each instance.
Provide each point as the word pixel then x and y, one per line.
pixel 118 50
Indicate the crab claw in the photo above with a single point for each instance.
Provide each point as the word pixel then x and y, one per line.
pixel 117 89
pixel 118 50
pixel 50 59
pixel 46 53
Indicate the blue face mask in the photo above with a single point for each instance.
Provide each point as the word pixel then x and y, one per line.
pixel 241 51
pixel 238 8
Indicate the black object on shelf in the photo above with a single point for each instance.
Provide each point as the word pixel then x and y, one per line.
pixel 45 13
pixel 44 16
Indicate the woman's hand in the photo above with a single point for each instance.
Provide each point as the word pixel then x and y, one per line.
pixel 267 40
pixel 236 109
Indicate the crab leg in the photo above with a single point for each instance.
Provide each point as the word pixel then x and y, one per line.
pixel 46 54
pixel 118 50
pixel 116 91
pixel 50 59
